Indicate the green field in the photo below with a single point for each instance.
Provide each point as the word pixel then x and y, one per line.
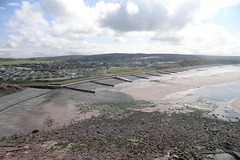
pixel 125 70
pixel 6 91
pixel 17 62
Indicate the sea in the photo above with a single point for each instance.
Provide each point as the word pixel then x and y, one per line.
pixel 215 99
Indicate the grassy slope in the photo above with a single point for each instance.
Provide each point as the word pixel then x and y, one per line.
pixel 115 57
pixel 126 59
pixel 17 62
pixel 180 60
pixel 125 70
pixel 4 92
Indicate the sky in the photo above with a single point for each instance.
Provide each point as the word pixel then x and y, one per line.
pixel 40 28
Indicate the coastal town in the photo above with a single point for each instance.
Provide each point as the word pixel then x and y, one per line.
pixel 119 80
pixel 68 108
pixel 61 70
pixel 15 73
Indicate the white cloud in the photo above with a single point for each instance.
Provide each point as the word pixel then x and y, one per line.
pixel 13 4
pixel 132 8
pixel 31 31
pixel 30 15
pixel 2 8
pixel 210 8
pixel 72 18
pixel 152 15
pixel 153 26
pixel 210 39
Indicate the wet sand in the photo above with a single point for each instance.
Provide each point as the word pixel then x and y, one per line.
pixel 60 105
pixel 158 88
pixel 30 114
pixel 236 104
pixel 57 105
pixel 139 135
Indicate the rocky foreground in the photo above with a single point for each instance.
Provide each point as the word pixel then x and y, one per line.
pixel 139 135
pixel 112 125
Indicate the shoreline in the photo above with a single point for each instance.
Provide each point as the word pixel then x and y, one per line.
pixel 119 130
pixel 60 105
pixel 235 104
pixel 139 136
pixel 158 89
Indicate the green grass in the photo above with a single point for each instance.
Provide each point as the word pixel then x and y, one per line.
pixel 25 83
pixel 117 71
pixel 171 65
pixel 17 62
pixel 100 71
pixel 126 64
pixel 44 82
pixel 121 70
pixel 5 92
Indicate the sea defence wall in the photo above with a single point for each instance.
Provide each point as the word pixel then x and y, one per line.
pixel 92 84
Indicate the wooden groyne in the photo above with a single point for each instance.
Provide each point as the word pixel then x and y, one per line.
pixel 101 83
pixel 77 89
pixel 121 78
pixel 138 76
pixel 162 72
pixel 152 74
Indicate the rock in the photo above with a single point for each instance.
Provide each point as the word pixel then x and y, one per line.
pixel 58 154
pixel 236 155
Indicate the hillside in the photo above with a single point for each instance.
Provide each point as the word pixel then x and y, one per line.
pixel 118 57
pixel 58 58
pixel 124 57
pixel 5 59
pixel 136 57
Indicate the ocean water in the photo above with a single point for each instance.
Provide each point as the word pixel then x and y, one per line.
pixel 224 92
pixel 220 96
pixel 215 99
pixel 215 70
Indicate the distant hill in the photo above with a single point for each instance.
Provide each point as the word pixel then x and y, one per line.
pixel 124 57
pixel 117 57
pixel 59 58
pixel 5 59
pixel 113 57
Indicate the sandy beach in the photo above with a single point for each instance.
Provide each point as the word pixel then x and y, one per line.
pixel 60 105
pixel 158 88
pixel 236 104
pixel 119 130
